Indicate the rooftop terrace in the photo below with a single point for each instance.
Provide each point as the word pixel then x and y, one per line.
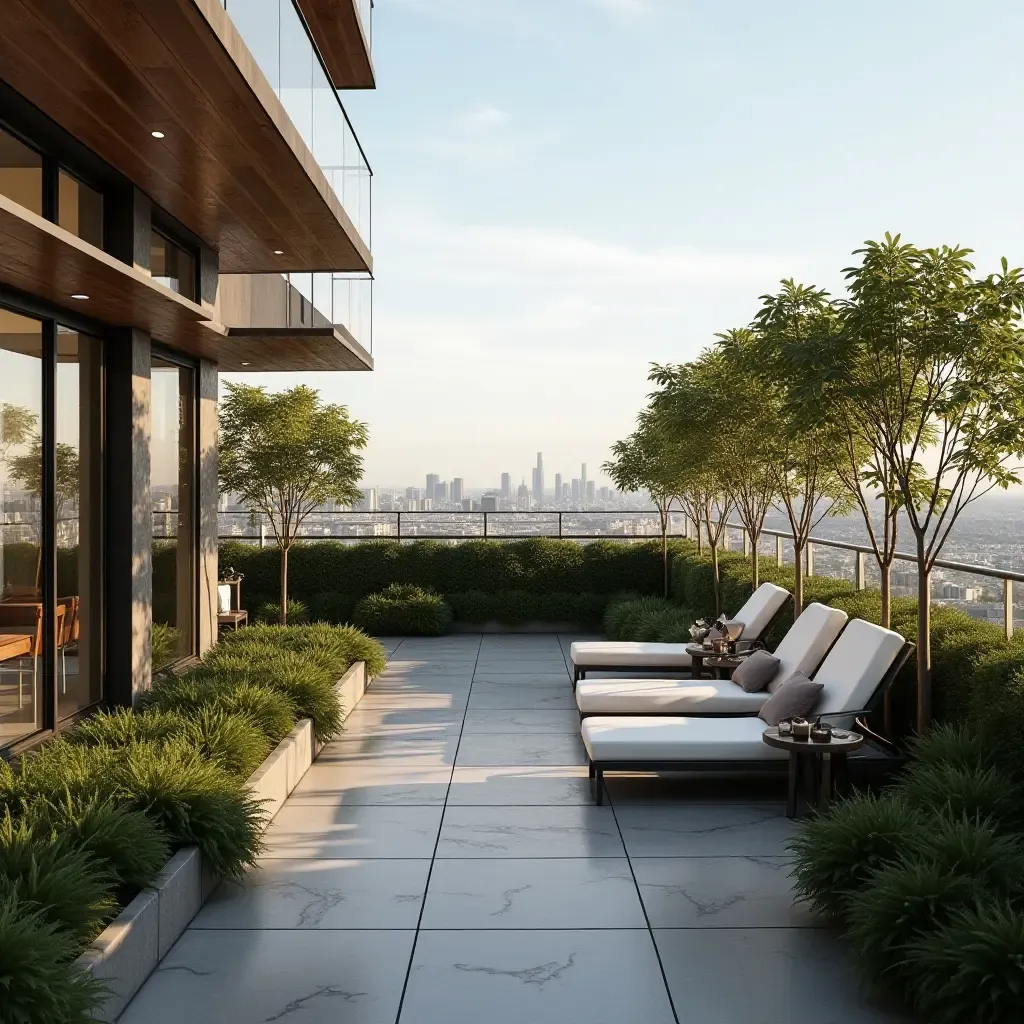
pixel 443 862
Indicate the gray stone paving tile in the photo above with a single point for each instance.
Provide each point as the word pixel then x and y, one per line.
pixel 514 831
pixel 788 974
pixel 522 679
pixel 259 977
pixel 490 786
pixel 572 893
pixel 385 784
pixel 320 894
pixel 395 750
pixel 326 832
pixel 521 722
pixel 543 977
pixel 719 892
pixel 705 830
pixel 512 749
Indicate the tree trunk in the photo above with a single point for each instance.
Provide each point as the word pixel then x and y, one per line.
pixel 284 586
pixel 755 569
pixel 714 569
pixel 886 588
pixel 700 541
pixel 664 551
pixel 798 579
pixel 924 642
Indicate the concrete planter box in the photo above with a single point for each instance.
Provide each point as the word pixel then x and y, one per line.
pixel 130 947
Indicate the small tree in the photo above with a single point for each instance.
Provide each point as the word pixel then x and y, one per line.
pixel 645 461
pixel 806 453
pixel 933 358
pixel 284 455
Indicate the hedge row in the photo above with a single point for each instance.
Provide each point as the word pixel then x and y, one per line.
pixel 91 818
pixel 534 566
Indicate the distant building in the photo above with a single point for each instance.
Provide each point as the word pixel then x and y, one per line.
pixel 523 497
pixel 538 479
pixel 370 501
pixel 432 483
pixel 566 492
pixel 440 491
pixel 467 504
pixel 605 494
pixel 489 502
pixel 575 492
pixel 558 487
pixel 411 504
pixel 591 491
pixel 413 493
pixel 583 478
pixel 456 490
pixel 506 485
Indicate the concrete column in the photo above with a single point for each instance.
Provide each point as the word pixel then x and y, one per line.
pixel 209 491
pixel 129 546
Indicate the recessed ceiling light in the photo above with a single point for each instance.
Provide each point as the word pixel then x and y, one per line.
pixel 79 296
pixel 279 252
pixel 157 135
pixel 244 363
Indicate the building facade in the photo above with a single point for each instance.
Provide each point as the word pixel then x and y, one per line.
pixel 181 194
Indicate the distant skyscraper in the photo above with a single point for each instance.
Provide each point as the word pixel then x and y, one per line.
pixel 506 485
pixel 558 487
pixel 413 493
pixel 467 504
pixel 457 489
pixel 538 479
pixel 583 478
pixel 575 492
pixel 566 492
pixel 605 494
pixel 591 489
pixel 523 496
pixel 432 481
pixel 440 491
pixel 489 502
pixel 370 501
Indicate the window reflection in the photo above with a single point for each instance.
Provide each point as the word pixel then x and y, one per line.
pixel 171 457
pixel 79 535
pixel 21 618
pixel 80 209
pixel 21 173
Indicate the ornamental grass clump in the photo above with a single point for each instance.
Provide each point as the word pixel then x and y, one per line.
pixel 39 983
pixel 971 967
pixel 953 746
pixel 342 645
pixel 402 609
pixel 959 792
pixel 838 851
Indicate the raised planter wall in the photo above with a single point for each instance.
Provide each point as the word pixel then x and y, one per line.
pixel 128 950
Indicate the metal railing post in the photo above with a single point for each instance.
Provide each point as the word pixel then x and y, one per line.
pixel 1008 607
pixel 810 559
pixel 861 582
pixel 485 526
pixel 778 552
pixel 398 524
pixel 559 525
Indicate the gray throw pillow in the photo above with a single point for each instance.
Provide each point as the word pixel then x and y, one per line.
pixel 756 672
pixel 795 698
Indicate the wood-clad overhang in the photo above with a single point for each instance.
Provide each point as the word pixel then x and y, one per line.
pixel 231 167
pixel 43 260
pixel 343 41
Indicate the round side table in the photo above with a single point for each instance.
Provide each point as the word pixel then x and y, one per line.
pixel 827 762
pixel 697 653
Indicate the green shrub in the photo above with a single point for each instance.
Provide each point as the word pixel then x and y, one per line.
pixel 403 610
pixel 270 711
pixel 232 740
pixel 122 726
pixel 68 886
pixel 897 905
pixel 838 851
pixel 970 968
pixel 129 846
pixel 955 745
pixel 305 679
pixel 38 982
pixel 342 646
pixel 965 792
pixel 191 799
pixel 995 703
pixel 330 607
pixel 270 611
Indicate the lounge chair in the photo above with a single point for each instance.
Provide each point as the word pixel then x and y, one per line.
pixel 802 649
pixel 615 656
pixel 860 667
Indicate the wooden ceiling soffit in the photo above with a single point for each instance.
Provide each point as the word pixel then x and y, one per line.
pixel 283 349
pixel 231 166
pixel 342 41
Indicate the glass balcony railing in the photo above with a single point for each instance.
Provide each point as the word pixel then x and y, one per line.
pixel 277 38
pixel 343 300
pixel 365 9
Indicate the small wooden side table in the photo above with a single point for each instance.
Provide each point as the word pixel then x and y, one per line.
pixel 697 653
pixel 827 762
pixel 235 619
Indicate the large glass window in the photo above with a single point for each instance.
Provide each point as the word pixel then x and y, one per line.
pixel 21 551
pixel 80 209
pixel 78 514
pixel 172 486
pixel 21 173
pixel 172 266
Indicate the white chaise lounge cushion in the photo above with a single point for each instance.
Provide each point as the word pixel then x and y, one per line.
pixel 666 696
pixel 808 641
pixel 610 739
pixel 855 668
pixel 756 614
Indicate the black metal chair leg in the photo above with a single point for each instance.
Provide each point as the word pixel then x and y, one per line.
pixel 599 787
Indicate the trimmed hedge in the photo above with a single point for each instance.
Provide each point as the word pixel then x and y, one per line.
pixel 402 609
pixel 516 607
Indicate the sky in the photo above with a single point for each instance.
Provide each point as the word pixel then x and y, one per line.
pixel 566 191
